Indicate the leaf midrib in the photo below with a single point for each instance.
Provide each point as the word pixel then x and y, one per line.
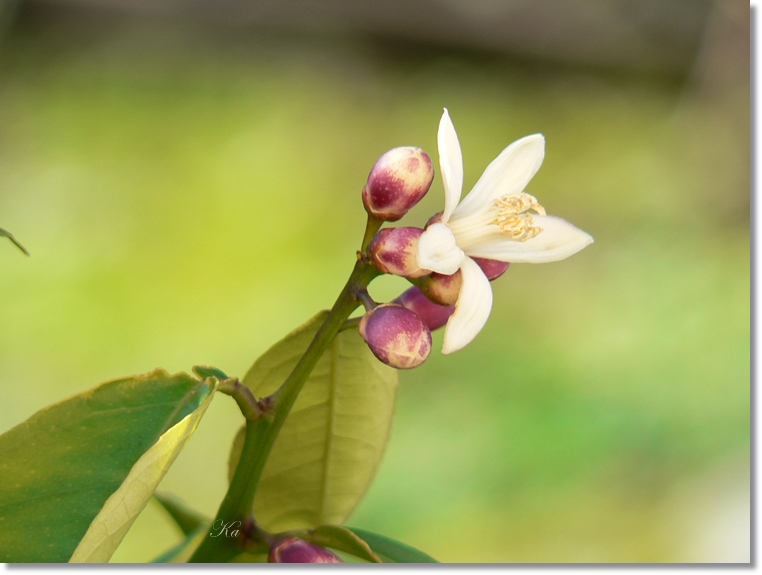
pixel 329 428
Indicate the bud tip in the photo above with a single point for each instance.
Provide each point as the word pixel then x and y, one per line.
pixel 398 180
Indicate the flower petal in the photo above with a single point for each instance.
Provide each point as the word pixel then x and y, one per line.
pixel 471 311
pixel 508 174
pixel 451 164
pixel 437 250
pixel 558 240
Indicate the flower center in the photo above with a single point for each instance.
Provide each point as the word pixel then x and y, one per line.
pixel 514 218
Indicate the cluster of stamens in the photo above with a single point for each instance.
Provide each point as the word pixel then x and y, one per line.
pixel 514 218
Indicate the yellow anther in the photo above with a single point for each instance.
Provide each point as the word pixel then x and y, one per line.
pixel 512 216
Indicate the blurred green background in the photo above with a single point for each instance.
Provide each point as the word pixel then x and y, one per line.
pixel 189 188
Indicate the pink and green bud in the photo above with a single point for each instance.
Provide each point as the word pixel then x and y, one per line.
pixel 393 251
pixel 293 550
pixel 441 289
pixel 398 180
pixel 444 290
pixel 433 315
pixel 493 269
pixel 396 336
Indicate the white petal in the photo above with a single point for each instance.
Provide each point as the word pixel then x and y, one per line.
pixel 558 240
pixel 450 163
pixel 437 250
pixel 508 174
pixel 472 309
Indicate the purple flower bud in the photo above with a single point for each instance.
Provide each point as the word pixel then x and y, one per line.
pixel 393 251
pixel 441 289
pixel 493 269
pixel 435 219
pixel 398 180
pixel 396 336
pixel 433 315
pixel 293 550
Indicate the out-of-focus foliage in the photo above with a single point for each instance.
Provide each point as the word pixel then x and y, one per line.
pixel 187 519
pixel 190 195
pixel 392 551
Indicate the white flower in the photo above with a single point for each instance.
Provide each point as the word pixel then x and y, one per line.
pixel 494 221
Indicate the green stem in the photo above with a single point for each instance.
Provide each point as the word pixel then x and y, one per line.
pixel 262 431
pixel 9 235
pixel 371 228
pixel 351 323
pixel 366 300
pixel 246 401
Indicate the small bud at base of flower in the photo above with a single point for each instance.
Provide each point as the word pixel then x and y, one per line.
pixel 493 269
pixel 433 315
pixel 294 550
pixel 398 180
pixel 441 289
pixel 393 251
pixel 396 336
pixel 435 219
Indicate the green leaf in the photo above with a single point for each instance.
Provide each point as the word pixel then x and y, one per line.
pixel 9 235
pixel 75 475
pixel 187 519
pixel 391 550
pixel 183 551
pixel 327 452
pixel 250 558
pixel 204 371
pixel 340 539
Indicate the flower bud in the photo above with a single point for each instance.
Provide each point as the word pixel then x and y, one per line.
pixel 444 290
pixel 393 251
pixel 441 289
pixel 435 219
pixel 433 315
pixel 398 180
pixel 396 336
pixel 293 550
pixel 493 269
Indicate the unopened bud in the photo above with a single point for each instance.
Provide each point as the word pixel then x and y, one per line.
pixel 435 219
pixel 293 550
pixel 444 290
pixel 441 289
pixel 393 251
pixel 396 336
pixel 398 180
pixel 493 269
pixel 433 315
